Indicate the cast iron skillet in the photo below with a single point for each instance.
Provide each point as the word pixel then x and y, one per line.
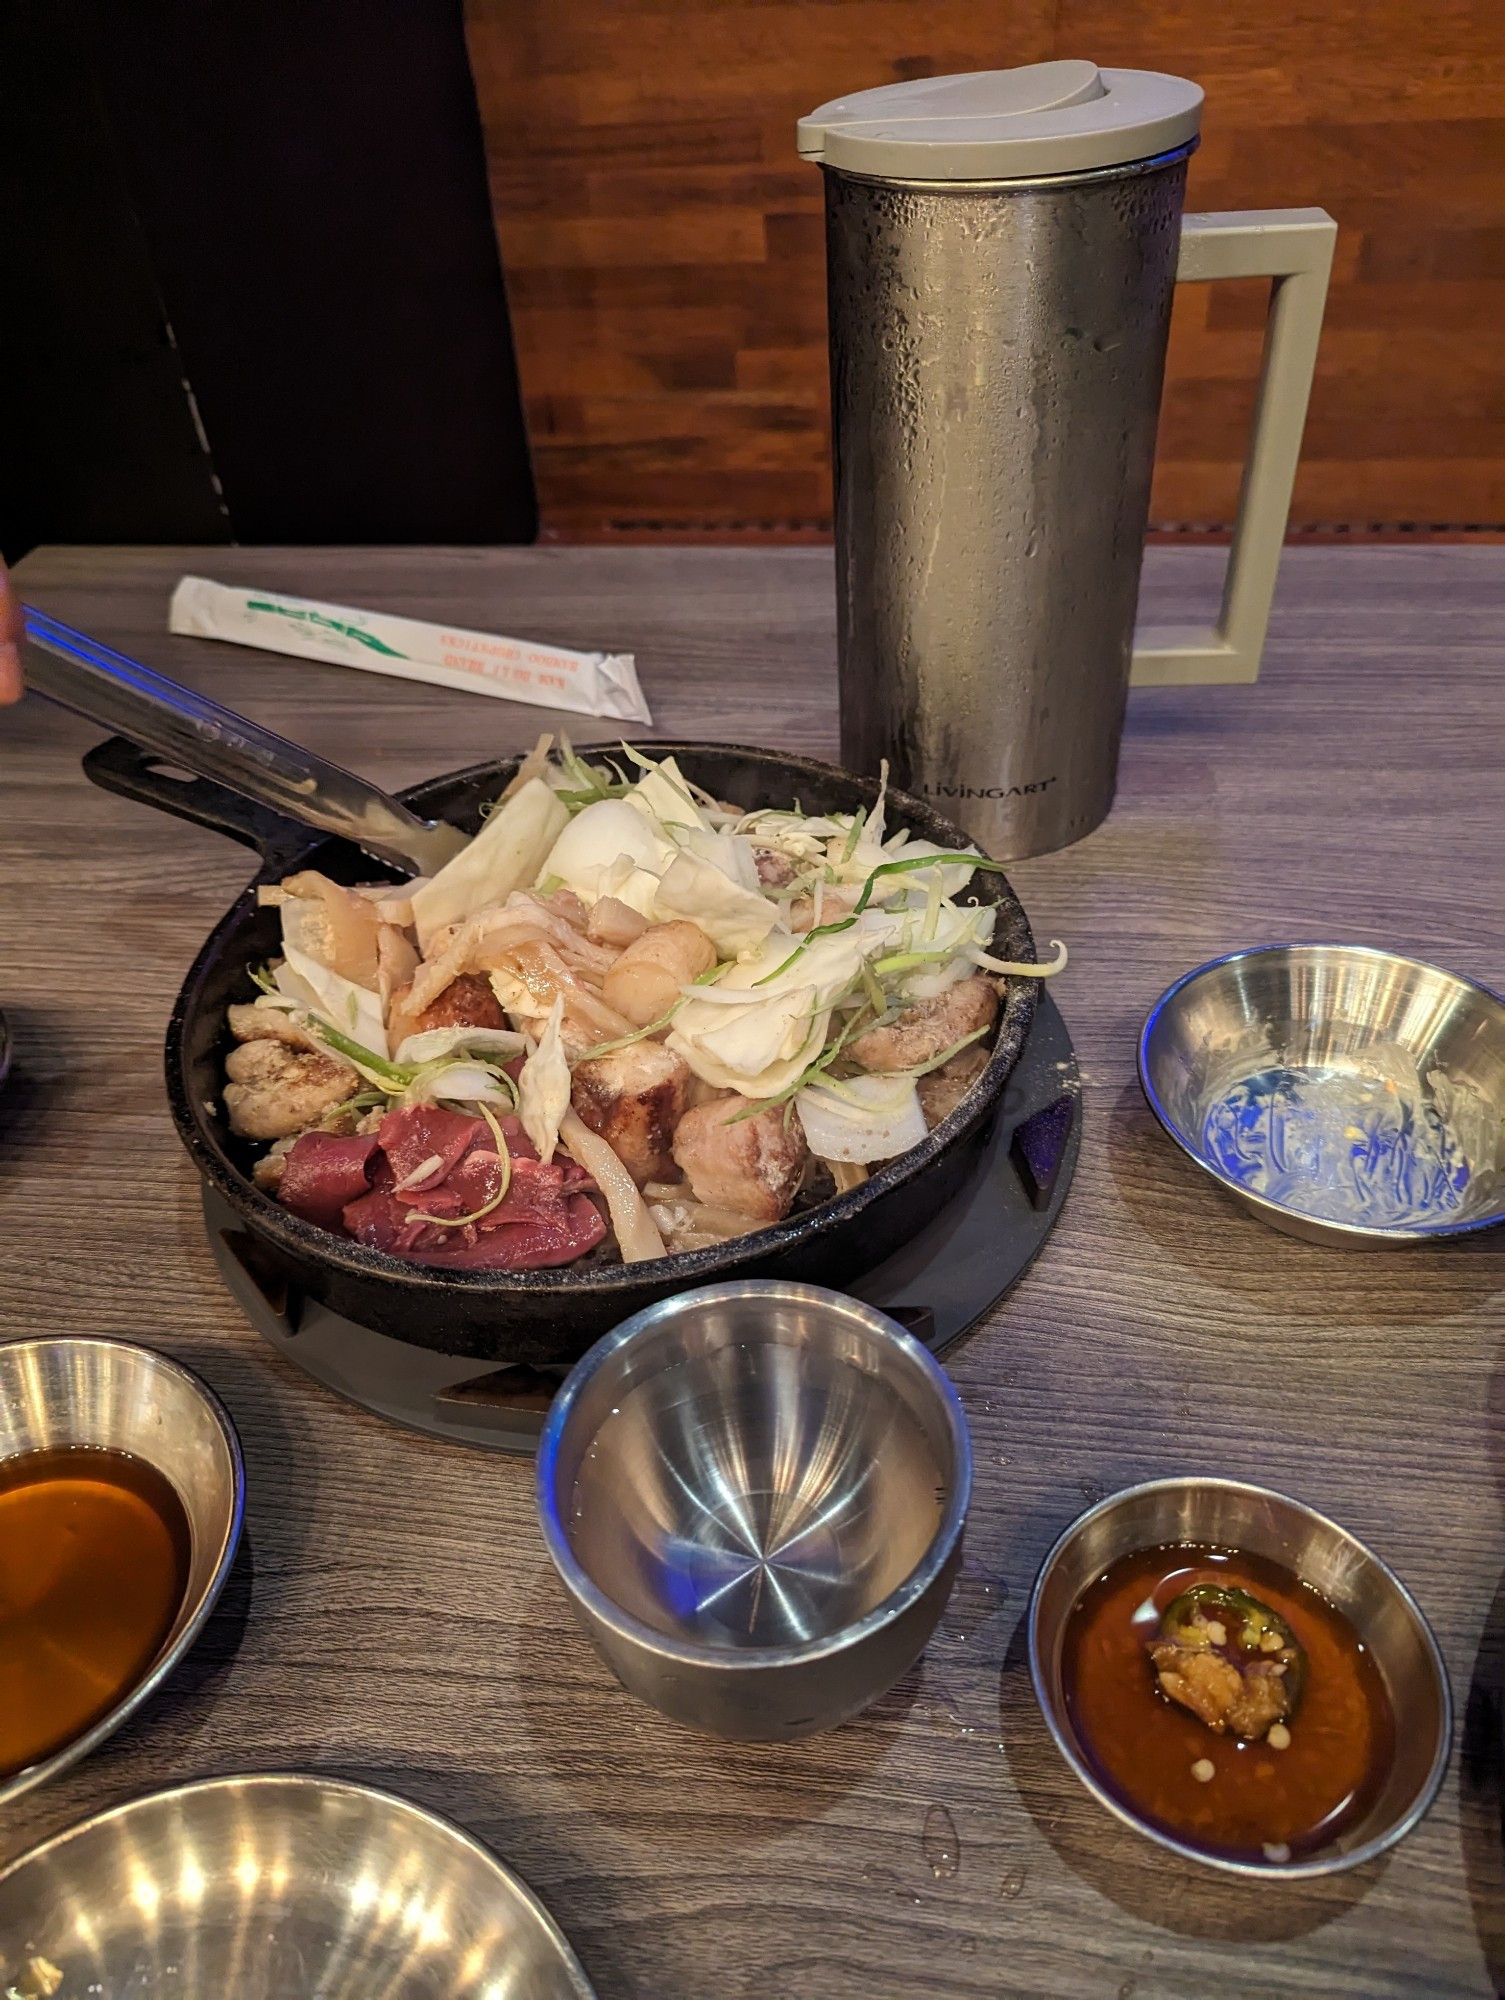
pixel 539 1316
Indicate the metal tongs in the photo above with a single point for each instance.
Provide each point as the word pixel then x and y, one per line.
pixel 189 729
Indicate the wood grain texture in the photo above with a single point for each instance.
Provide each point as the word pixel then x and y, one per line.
pixel 663 244
pixel 394 1617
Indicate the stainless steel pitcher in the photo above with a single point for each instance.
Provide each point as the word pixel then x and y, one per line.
pixel 1001 254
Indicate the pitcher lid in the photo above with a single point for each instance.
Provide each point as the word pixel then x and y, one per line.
pixel 1004 124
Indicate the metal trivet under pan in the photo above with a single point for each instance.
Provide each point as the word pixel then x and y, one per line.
pixel 940 1284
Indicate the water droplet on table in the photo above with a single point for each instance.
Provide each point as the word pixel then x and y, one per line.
pixel 1013 1882
pixel 942 1713
pixel 1126 1991
pixel 939 1844
pixel 973 1601
pixel 883 1878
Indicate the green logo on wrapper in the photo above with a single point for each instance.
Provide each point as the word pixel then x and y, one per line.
pixel 330 624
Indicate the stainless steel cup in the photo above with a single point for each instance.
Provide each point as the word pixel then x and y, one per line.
pixel 1002 251
pixel 755 1495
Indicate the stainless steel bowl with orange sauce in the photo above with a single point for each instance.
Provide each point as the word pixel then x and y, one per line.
pixel 1366 1745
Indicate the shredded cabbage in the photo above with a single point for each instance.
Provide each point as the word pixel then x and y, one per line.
pixel 596 839
pixel 696 891
pixel 355 1010
pixel 496 1044
pixel 543 1086
pixel 505 855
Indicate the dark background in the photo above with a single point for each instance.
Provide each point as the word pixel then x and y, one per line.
pixel 287 206
pixel 252 286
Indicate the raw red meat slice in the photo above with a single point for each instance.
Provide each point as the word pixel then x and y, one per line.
pixel 324 1173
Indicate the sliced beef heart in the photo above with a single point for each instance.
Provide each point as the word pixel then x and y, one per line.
pixel 546 1216
pixel 323 1174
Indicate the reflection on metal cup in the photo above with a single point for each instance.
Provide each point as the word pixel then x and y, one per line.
pixel 996 362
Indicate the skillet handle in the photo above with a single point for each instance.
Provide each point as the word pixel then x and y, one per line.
pixel 146 776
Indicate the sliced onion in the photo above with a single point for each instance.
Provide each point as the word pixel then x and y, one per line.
pixel 862 1118
pixel 637 1237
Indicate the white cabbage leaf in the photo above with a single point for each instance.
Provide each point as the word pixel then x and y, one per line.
pixel 628 883
pixel 729 852
pixel 664 795
pixel 458 1082
pixel 756 1042
pixel 543 1086
pixel 766 1018
pixel 731 1058
pixel 694 891
pixel 355 1010
pixel 593 842
pixel 497 1045
pixel 506 854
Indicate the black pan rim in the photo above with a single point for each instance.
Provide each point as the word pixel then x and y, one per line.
pixel 563 1282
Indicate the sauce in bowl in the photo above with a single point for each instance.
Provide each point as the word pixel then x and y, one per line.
pixel 94 1558
pixel 1274 1798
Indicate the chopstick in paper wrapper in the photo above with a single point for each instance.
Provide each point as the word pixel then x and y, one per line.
pixel 480 662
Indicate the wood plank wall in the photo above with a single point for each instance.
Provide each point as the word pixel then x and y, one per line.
pixel 663 244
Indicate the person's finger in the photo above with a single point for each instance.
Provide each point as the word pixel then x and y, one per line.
pixel 10 640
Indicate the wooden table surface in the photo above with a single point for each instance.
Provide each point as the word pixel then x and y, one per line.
pixel 394 1617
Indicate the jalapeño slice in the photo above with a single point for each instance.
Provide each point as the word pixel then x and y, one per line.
pixel 1251 1630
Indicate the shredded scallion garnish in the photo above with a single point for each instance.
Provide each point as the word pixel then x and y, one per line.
pixel 1018 971
pixel 854 834
pixel 915 861
pixel 390 1075
pixel 825 930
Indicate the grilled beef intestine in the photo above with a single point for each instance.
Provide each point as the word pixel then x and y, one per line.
pixel 621 975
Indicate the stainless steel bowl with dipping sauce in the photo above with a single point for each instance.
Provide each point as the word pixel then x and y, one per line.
pixel 1343 1094
pixel 68 1405
pixel 277 1884
pixel 755 1494
pixel 1407 1757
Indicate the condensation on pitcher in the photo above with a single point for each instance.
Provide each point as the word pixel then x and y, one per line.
pixel 1363 1141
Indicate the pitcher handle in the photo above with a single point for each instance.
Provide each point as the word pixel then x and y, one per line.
pixel 1294 247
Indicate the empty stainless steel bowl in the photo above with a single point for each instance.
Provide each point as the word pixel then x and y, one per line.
pixel 279 1885
pixel 1344 1094
pixel 1231 1515
pixel 68 1390
pixel 755 1494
